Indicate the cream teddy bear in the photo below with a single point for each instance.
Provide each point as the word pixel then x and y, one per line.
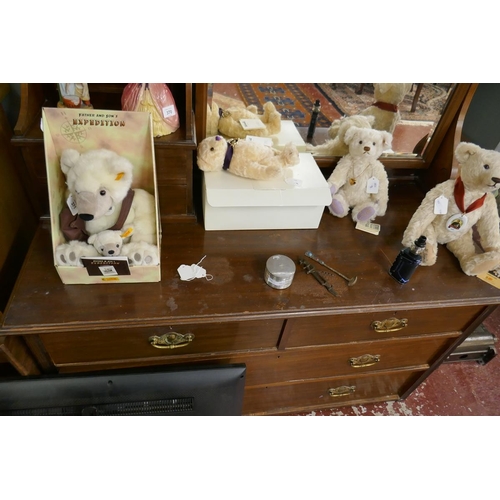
pixel 336 145
pixel 388 96
pixel 99 186
pixel 244 158
pixel 450 210
pixel 109 243
pixel 359 181
pixel 228 122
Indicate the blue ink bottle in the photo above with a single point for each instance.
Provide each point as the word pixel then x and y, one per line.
pixel 407 261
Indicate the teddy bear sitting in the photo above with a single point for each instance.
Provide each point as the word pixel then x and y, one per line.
pixel 451 209
pixel 388 96
pixel 99 186
pixel 227 122
pixel 359 181
pixel 111 243
pixel 244 158
pixel 336 145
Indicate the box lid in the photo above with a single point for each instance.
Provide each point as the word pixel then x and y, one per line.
pixel 307 187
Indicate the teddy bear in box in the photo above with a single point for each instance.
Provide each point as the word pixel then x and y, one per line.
pixel 336 145
pixel 227 122
pixel 251 160
pixel 385 109
pixel 359 181
pixel 99 185
pixel 450 210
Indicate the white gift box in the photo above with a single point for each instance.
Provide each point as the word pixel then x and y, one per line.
pixel 288 133
pixel 295 202
pixel 130 135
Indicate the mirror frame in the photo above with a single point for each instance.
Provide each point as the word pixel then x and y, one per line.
pixel 449 123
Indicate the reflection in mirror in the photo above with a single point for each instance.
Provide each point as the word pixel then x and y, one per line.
pixel 417 113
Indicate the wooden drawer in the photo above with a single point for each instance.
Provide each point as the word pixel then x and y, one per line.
pixel 324 330
pixel 130 344
pixel 328 393
pixel 326 362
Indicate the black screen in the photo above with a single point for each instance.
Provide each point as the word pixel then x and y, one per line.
pixel 211 390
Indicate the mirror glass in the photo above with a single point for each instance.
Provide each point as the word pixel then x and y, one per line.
pixel 419 110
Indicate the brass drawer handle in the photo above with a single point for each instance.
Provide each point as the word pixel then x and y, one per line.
pixel 343 390
pixel 171 340
pixel 389 325
pixel 365 360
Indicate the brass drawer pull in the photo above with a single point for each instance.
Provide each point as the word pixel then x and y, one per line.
pixel 171 340
pixel 365 360
pixel 389 325
pixel 343 390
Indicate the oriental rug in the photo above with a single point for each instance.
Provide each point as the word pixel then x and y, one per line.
pixel 294 101
pixel 348 99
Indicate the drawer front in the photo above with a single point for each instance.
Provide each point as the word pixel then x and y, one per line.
pixel 130 344
pixel 326 362
pixel 324 330
pixel 328 393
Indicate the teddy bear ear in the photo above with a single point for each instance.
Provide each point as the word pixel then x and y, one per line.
pixel 387 139
pixel 349 135
pixel 69 157
pixel 465 150
pixel 91 239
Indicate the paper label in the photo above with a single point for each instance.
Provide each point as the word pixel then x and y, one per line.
pixel 72 204
pixel 266 141
pixel 105 266
pixel 169 111
pixel 368 227
pixel 491 277
pixel 441 205
pixel 372 185
pixel 251 124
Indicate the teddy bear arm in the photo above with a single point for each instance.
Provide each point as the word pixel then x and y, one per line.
pixel 423 217
pixel 488 226
pixel 339 176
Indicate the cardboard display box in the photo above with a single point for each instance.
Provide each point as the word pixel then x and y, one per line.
pixel 234 203
pixel 128 134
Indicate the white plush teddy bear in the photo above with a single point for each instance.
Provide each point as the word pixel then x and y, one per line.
pixel 451 209
pixel 109 243
pixel 359 181
pixel 99 183
pixel 336 145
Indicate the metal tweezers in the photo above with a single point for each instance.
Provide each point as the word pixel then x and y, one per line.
pixel 310 269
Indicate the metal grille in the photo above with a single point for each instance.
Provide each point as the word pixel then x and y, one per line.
pixel 157 407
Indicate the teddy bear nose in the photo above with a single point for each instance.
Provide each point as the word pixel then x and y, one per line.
pixel 86 217
pixel 367 148
pixel 111 252
pixel 496 180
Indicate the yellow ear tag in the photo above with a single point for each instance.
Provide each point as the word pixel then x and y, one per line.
pixel 119 176
pixel 127 233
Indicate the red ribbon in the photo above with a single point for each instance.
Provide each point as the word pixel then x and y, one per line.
pixel 459 193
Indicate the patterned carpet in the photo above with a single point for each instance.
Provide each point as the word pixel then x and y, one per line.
pixel 348 101
pixel 293 100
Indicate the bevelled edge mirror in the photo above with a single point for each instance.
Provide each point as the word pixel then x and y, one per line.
pixel 420 157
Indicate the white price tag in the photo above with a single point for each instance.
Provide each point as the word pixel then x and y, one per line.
pixel 266 141
pixel 168 111
pixel 441 205
pixel 372 185
pixel 72 204
pixel 251 124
